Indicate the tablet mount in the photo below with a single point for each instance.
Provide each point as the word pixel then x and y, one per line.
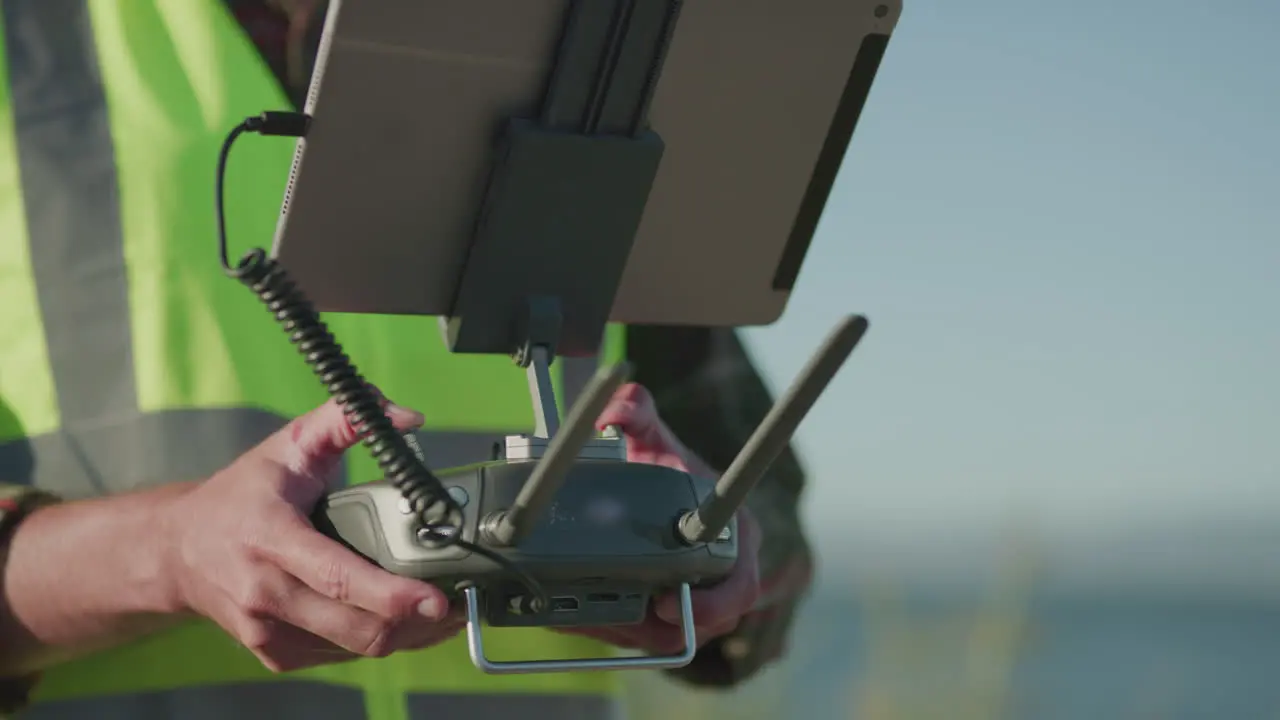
pixel 559 530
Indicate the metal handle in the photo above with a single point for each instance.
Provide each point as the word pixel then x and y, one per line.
pixel 526 667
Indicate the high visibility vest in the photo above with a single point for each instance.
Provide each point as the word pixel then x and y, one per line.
pixel 127 359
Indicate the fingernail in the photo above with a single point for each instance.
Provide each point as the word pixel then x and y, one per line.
pixel 415 418
pixel 431 608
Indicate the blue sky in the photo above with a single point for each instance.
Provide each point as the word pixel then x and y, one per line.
pixel 1061 220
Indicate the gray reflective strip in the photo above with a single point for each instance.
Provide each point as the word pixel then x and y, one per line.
pixel 284 700
pixel 524 707
pixel 305 700
pixel 143 450
pixel 152 449
pixel 72 201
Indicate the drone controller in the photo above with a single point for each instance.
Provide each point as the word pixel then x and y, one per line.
pixel 574 227
pixel 598 536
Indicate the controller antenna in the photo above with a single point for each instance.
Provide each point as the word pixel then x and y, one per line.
pixel 509 527
pixel 771 437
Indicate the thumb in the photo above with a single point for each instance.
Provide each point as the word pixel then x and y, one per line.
pixel 632 410
pixel 322 435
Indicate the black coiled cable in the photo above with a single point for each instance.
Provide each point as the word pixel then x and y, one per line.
pixel 363 406
pixel 437 512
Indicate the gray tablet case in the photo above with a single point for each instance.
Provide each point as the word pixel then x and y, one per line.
pixel 754 108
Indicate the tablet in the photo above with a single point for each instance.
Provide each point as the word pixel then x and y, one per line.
pixel 756 104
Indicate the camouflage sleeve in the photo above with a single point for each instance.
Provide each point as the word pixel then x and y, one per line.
pixel 287 35
pixel 15 502
pixel 709 393
pixel 301 43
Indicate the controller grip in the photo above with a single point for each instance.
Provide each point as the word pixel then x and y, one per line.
pixel 368 520
pixel 352 522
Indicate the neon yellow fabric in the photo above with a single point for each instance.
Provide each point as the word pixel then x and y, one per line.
pixel 202 340
pixel 201 654
pixel 28 405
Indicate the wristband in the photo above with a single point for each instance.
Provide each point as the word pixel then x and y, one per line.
pixel 18 501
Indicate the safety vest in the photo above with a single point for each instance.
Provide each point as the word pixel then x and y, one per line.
pixel 127 359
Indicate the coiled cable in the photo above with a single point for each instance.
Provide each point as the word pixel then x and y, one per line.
pixel 437 512
pixel 399 464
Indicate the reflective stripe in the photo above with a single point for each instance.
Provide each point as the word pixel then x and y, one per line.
pixel 144 450
pixel 286 700
pixel 68 176
pixel 283 700
pixel 524 707
pixel 27 400
pixel 140 451
pixel 151 449
pixel 200 654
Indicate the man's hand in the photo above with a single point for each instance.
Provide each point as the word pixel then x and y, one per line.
pixel 245 554
pixel 717 611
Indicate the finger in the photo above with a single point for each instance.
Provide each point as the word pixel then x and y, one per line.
pixel 401 417
pixel 632 409
pixel 413 635
pixel 339 574
pixel 272 599
pixel 327 430
pixel 618 637
pixel 793 578
pixel 655 635
pixel 730 599
pixel 350 628
pixel 292 648
pixel 317 437
pixel 711 632
pixel 279 646
pixel 661 638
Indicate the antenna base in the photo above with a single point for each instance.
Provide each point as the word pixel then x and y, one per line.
pixel 496 529
pixel 691 530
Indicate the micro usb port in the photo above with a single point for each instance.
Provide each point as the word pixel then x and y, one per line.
pixel 564 604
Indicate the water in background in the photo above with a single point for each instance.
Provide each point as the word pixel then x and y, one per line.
pixel 1013 653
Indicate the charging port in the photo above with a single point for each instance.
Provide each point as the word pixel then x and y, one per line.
pixel 603 598
pixel 564 604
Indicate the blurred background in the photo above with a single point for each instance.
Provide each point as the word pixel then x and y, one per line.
pixel 1048 483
